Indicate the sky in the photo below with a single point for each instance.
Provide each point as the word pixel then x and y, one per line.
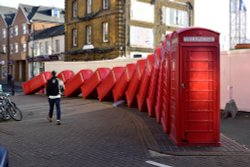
pixel 14 3
pixel 211 12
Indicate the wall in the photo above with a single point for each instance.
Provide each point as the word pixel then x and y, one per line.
pixel 79 65
pixel 235 78
pixel 234 73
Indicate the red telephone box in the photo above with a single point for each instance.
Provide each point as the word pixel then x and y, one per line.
pixel 88 89
pixel 144 84
pixel 151 97
pixel 73 86
pixel 104 90
pixel 134 83
pixel 158 102
pixel 195 87
pixel 165 113
pixel 66 75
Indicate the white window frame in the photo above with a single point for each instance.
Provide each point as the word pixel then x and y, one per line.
pixel 46 47
pixel 11 48
pixel 74 9
pixel 16 30
pixel 57 45
pixel 11 32
pixel 24 47
pixel 89 6
pixel 55 12
pixel 36 49
pixel 89 34
pixel 105 4
pixel 4 33
pixel 24 28
pixel 105 32
pixel 41 48
pixel 175 17
pixel 74 37
pixel 4 48
pixel 16 47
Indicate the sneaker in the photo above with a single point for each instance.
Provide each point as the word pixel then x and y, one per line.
pixel 49 119
pixel 58 122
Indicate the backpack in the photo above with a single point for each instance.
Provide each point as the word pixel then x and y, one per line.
pixel 52 87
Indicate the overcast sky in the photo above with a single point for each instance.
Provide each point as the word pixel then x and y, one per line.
pixel 14 3
pixel 210 12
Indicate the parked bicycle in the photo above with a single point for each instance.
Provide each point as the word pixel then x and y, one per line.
pixel 8 109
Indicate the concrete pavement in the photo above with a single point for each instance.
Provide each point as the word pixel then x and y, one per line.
pixel 95 134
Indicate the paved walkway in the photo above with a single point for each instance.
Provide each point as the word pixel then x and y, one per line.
pixel 95 134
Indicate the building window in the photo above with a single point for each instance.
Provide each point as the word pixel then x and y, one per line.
pixel 46 47
pixel 36 49
pixel 105 4
pixel 24 28
pixel 16 30
pixel 16 47
pixel 11 48
pixel 55 12
pixel 11 32
pixel 41 67
pixel 105 32
pixel 89 6
pixel 74 9
pixel 89 34
pixel 4 48
pixel 24 47
pixel 175 17
pixel 57 45
pixel 74 37
pixel 41 51
pixel 4 33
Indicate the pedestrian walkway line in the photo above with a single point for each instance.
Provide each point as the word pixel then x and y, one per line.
pixel 157 164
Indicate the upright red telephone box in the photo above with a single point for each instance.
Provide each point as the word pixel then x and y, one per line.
pixel 195 87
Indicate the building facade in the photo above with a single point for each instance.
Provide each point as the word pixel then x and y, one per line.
pixel 27 21
pixel 48 45
pixel 106 29
pixel 6 17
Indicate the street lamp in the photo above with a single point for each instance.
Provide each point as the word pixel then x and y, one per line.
pixel 32 38
pixel 1 63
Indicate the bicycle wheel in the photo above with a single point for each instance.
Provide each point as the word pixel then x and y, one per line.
pixel 5 115
pixel 15 112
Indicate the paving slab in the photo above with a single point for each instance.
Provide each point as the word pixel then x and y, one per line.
pixel 96 134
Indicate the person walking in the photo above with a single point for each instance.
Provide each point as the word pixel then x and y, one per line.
pixel 11 83
pixel 54 89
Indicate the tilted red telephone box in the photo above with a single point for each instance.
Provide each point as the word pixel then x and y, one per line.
pixel 122 83
pixel 159 90
pixel 104 90
pixel 37 83
pixel 88 89
pixel 144 84
pixel 195 87
pixel 73 86
pixel 151 96
pixel 165 114
pixel 66 75
pixel 134 83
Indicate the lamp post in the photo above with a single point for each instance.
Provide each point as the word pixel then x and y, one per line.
pixel 1 63
pixel 32 38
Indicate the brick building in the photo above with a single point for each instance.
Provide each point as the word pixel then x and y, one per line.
pixel 106 29
pixel 7 15
pixel 27 21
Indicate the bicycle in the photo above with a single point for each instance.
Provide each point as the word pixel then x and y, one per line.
pixel 8 109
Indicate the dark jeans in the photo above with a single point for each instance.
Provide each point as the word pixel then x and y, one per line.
pixel 52 103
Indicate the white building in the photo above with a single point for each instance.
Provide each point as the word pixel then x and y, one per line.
pixel 46 45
